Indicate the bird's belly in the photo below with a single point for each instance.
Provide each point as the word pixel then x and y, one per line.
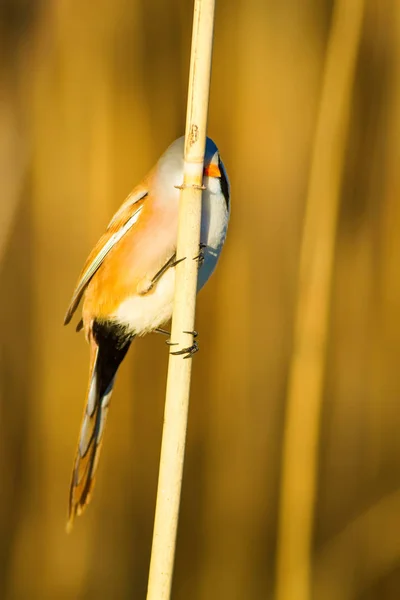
pixel 141 314
pixel 213 234
pixel 144 313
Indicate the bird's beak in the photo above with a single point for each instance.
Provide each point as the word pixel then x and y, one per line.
pixel 212 170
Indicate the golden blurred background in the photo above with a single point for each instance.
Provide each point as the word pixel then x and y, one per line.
pixel 305 108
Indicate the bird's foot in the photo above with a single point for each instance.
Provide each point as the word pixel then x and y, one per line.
pixel 190 350
pixel 200 256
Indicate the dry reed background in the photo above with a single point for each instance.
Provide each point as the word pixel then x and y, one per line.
pixel 91 93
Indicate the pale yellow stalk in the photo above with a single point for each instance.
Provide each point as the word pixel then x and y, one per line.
pixel 179 369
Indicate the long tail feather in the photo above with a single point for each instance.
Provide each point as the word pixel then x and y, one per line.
pixel 108 347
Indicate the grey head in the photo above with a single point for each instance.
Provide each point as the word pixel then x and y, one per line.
pixel 170 166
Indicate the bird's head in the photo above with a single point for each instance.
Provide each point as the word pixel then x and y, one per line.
pixel 171 166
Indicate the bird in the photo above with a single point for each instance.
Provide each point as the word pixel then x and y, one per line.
pixel 127 287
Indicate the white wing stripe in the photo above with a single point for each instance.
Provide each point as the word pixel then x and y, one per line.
pixel 130 201
pixel 114 239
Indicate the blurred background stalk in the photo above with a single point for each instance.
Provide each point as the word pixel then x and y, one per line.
pixel 312 316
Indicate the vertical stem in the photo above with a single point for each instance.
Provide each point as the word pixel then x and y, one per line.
pixel 179 369
pixel 305 388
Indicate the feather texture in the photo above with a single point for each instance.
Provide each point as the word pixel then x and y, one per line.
pixel 120 224
pixel 124 298
pixel 108 346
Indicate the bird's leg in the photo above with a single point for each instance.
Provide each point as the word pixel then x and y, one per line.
pixel 172 262
pixel 200 256
pixel 163 331
pixel 190 350
pixel 148 285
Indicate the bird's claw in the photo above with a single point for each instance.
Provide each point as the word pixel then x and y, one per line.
pixel 200 256
pixel 193 333
pixel 190 351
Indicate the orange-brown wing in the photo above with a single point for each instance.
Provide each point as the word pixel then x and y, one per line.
pixel 122 221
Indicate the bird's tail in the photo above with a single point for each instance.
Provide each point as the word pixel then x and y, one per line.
pixel 108 347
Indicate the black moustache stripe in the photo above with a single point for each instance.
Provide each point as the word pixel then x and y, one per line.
pixel 224 183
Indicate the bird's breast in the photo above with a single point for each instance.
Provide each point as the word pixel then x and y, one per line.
pixel 141 314
pixel 117 291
